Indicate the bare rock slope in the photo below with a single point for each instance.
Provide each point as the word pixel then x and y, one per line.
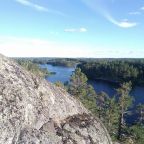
pixel 33 111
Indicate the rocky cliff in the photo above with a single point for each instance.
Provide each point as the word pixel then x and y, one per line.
pixel 34 111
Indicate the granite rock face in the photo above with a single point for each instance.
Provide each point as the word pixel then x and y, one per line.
pixel 34 111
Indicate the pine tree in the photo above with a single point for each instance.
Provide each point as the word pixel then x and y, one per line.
pixel 124 101
pixel 101 100
pixel 140 111
pixel 88 98
pixel 108 112
pixel 78 82
pixel 137 133
pixel 79 88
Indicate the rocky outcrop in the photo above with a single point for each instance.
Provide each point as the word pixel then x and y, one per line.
pixel 34 111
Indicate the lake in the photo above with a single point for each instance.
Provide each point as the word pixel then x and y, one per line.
pixel 63 74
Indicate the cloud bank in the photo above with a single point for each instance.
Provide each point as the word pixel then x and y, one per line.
pixel 25 47
pixel 28 47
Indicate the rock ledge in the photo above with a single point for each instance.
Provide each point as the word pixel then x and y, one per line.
pixel 33 111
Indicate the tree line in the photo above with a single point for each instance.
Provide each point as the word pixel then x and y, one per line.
pixel 115 70
pixel 65 62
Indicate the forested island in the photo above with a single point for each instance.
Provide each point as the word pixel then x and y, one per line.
pixel 115 70
pixel 65 62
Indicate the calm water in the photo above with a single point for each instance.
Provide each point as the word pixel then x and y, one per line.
pixel 63 74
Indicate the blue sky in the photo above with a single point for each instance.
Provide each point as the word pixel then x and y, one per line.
pixel 72 28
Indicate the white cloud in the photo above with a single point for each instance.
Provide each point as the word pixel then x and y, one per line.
pixel 82 29
pixel 24 2
pixel 98 6
pixel 30 4
pixel 126 24
pixel 123 23
pixel 39 7
pixel 135 13
pixel 76 30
